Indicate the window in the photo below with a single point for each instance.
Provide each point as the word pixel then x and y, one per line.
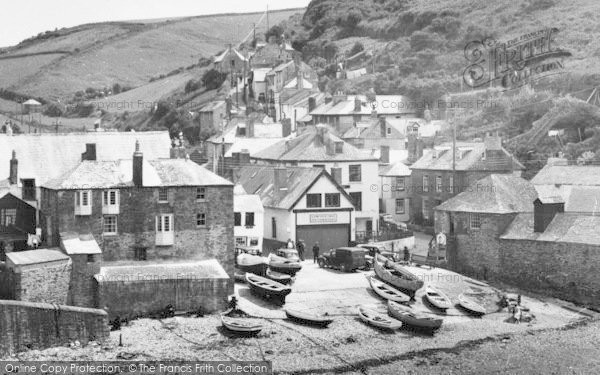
pixel 28 189
pixel 438 184
pixel 357 200
pixel 163 195
pixel 355 173
pixel 240 241
pixel 110 202
pixel 451 184
pixel 90 258
pixel 200 194
pixel 8 217
pixel 425 209
pixel 201 219
pixel 425 183
pixel 332 200
pixel 399 206
pixel 237 219
pixel 249 219
pixel 83 202
pixel 110 224
pixel 400 183
pixel 253 241
pixel 389 131
pixel 475 221
pixel 164 230
pixel 274 227
pixel 140 253
pixel 313 200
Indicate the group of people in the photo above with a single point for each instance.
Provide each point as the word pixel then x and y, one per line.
pixel 300 247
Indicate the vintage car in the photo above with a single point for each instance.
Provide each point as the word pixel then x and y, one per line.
pixel 289 254
pixel 247 250
pixel 346 259
pixel 373 249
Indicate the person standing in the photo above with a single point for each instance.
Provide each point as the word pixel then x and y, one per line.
pixel 290 243
pixel 300 249
pixel 316 252
pixel 406 254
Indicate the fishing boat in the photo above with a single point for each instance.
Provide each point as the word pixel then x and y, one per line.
pixel 240 325
pixel 469 304
pixel 304 317
pixel 278 276
pixel 437 298
pixel 378 320
pixel 252 263
pixel 410 318
pixel 284 265
pixel 386 291
pixel 396 275
pixel 239 276
pixel 267 288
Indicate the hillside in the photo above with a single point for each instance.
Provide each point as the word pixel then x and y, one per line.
pixel 56 64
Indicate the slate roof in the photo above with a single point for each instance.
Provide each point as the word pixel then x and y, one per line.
pixel 373 131
pixel 259 180
pixel 295 96
pixel 565 227
pixel 156 173
pixel 226 52
pixel 74 243
pixel 247 203
pixel 22 258
pixel 207 269
pixel 588 175
pixel 497 193
pixel 47 156
pixel 394 170
pixel 471 159
pixel 309 146
pixel 384 105
pixel 260 74
pixel 580 199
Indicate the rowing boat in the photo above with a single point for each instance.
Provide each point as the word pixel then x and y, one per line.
pixel 240 325
pixel 305 317
pixel 252 263
pixel 378 320
pixel 396 275
pixel 386 291
pixel 437 298
pixel 410 318
pixel 278 276
pixel 284 265
pixel 266 288
pixel 469 304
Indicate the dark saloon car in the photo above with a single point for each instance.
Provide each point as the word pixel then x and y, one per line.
pixel 346 259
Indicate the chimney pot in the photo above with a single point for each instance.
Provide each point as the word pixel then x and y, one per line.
pixel 90 152
pixel 544 211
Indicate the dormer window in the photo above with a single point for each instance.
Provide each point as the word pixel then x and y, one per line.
pixel 83 202
pixel 110 202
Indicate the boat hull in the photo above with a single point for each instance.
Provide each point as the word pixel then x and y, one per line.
pixel 437 298
pixel 470 305
pixel 267 288
pixel 408 318
pixel 308 318
pixel 238 325
pixel 387 292
pixel 397 276
pixel 282 278
pixel 378 320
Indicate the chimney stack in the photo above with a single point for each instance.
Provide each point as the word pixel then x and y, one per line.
pixel 312 104
pixel 286 127
pixel 373 114
pixel 250 128
pixel 279 179
pixel 14 169
pixel 382 127
pixel 138 166
pixel 321 130
pixel 384 158
pixel 357 104
pixel 336 173
pixel 544 211
pixel 90 152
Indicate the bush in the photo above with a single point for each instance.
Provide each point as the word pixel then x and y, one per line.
pixel 54 110
pixel 213 79
pixel 275 31
pixel 191 86
pixel 420 40
pixel 356 48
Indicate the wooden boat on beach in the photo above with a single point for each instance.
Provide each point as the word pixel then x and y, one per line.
pixel 437 298
pixel 396 275
pixel 471 305
pixel 252 263
pixel 308 318
pixel 378 320
pixel 413 319
pixel 278 276
pixel 284 265
pixel 386 291
pixel 240 325
pixel 267 288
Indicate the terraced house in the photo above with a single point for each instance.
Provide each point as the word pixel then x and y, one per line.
pixel 141 209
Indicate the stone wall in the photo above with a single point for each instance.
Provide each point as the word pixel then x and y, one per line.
pixel 146 297
pixel 45 282
pixel 27 325
pixel 82 289
pixel 564 270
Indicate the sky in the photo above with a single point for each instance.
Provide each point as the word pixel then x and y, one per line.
pixel 25 18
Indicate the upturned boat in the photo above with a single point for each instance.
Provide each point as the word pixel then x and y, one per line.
pixel 252 263
pixel 278 276
pixel 284 265
pixel 386 291
pixel 396 275
pixel 471 305
pixel 411 318
pixel 308 318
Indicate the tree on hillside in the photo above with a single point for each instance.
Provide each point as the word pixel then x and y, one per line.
pixel 356 48
pixel 213 79
pixel 276 32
